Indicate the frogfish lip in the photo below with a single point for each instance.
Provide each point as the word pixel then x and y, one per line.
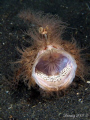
pixel 54 69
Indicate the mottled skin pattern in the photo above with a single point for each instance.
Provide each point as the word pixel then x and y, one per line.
pixel 47 30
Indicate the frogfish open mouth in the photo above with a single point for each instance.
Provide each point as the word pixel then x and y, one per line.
pixel 50 63
pixel 54 69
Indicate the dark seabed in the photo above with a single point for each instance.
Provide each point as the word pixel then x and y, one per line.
pixel 21 103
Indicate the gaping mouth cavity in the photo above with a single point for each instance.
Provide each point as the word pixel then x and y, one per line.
pixel 53 65
pixel 63 74
pixel 54 70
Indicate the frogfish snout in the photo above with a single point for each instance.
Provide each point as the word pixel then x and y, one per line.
pixel 54 68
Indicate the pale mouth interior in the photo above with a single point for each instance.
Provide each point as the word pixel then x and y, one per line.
pixel 62 75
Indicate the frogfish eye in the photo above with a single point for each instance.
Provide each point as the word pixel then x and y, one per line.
pixel 54 69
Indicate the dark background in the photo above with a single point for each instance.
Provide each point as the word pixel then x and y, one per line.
pixel 20 103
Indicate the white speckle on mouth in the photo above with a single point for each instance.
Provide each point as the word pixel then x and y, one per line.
pixel 88 82
pixel 55 78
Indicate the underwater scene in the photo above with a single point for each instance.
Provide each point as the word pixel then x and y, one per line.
pixel 44 60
